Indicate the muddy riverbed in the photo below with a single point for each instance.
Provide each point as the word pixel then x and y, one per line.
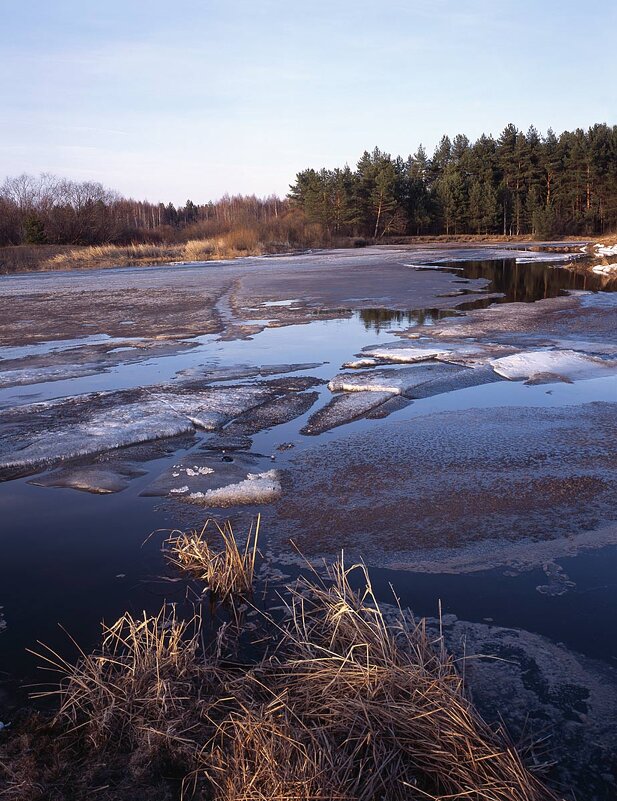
pixel 447 415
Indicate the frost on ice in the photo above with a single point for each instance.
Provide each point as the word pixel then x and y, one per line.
pixel 256 488
pixel 561 364
pixel 46 433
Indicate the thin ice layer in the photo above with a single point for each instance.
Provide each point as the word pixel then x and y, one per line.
pixel 76 427
pixel 97 479
pixel 104 430
pixel 204 471
pixel 343 409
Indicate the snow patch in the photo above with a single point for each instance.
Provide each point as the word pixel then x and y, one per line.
pixel 606 250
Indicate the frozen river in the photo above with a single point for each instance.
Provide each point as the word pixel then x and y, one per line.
pixel 447 415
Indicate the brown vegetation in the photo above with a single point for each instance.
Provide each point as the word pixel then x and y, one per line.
pixel 347 702
pixel 228 572
pixel 286 235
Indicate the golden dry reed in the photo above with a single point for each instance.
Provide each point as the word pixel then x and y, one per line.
pixel 347 701
pixel 227 570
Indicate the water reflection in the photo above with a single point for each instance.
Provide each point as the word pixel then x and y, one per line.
pixel 382 319
pixel 529 282
pixel 515 282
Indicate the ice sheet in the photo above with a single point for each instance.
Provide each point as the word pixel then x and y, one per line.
pixel 344 408
pixel 565 364
pixel 401 381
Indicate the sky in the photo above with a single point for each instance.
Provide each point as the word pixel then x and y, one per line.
pixel 186 99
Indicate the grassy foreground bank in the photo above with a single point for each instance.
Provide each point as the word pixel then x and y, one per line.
pixel 342 700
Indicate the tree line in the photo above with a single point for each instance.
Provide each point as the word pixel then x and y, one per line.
pixel 517 184
pixel 45 209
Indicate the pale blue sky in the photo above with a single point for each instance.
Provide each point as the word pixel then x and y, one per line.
pixel 177 99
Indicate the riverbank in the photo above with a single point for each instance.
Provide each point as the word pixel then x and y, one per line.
pixel 236 244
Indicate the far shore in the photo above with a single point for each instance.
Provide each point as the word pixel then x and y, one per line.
pixel 38 258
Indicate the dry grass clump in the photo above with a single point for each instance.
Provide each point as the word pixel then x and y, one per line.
pixel 227 571
pixel 266 753
pixel 346 701
pixel 112 256
pixel 380 691
pixel 141 690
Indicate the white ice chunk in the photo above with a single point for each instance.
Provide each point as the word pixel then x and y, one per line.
pixel 256 488
pixel 399 381
pixel 464 353
pixel 405 355
pixel 199 471
pixel 357 363
pixel 564 363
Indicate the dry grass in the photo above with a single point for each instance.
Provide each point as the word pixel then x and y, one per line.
pixel 140 689
pixel 276 236
pixel 389 698
pixel 227 571
pixel 348 702
pixel 250 742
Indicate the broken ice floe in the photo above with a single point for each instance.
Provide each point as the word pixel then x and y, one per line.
pixel 212 373
pixel 78 362
pixel 87 425
pixel 401 381
pixel 38 375
pixel 229 442
pixel 101 431
pixel 357 364
pixel 558 580
pixel 204 473
pixel 464 353
pixel 343 409
pixel 272 413
pixel 562 364
pixel 404 355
